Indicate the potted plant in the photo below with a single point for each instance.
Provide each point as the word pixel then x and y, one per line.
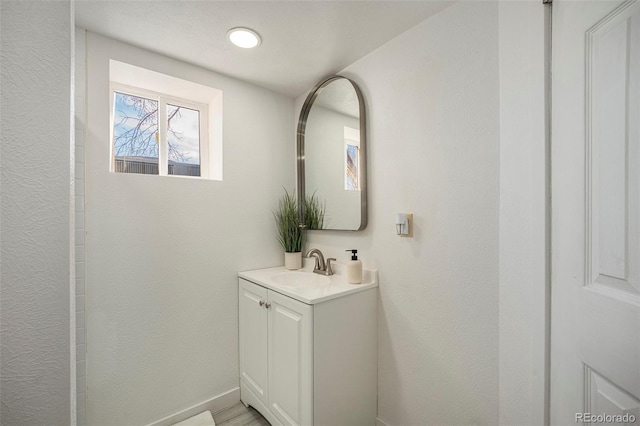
pixel 292 222
pixel 314 212
pixel 290 230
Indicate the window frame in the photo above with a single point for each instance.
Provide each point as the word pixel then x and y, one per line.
pixel 163 99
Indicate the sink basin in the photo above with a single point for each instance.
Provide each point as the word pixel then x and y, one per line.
pixel 300 279
pixel 307 287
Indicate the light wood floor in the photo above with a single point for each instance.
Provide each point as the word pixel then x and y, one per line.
pixel 239 415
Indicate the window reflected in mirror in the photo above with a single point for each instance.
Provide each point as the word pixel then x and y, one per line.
pixel 351 159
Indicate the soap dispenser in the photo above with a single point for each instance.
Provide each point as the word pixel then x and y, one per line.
pixel 354 268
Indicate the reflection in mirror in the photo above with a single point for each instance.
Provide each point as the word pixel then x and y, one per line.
pixel 331 152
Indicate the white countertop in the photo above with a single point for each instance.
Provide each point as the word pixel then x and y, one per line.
pixel 336 287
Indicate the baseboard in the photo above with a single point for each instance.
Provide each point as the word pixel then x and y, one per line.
pixel 380 422
pixel 215 404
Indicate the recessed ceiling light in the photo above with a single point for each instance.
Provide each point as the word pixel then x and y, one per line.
pixel 243 37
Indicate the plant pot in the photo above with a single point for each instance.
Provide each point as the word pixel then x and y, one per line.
pixel 293 260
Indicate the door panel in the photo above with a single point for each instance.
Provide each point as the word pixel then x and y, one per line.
pixel 605 397
pixel 595 312
pixel 290 346
pixel 253 338
pixel 613 217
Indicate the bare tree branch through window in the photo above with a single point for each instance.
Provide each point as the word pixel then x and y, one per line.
pixel 136 129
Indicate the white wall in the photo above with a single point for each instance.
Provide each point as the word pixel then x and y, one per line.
pixel 80 121
pixel 162 253
pixel 523 183
pixel 36 216
pixel 433 112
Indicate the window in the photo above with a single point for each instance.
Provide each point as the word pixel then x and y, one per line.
pixel 183 140
pixel 351 159
pixel 156 134
pixel 162 125
pixel 135 134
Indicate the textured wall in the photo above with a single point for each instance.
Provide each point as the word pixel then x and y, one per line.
pixel 35 214
pixel 162 253
pixel 522 213
pixel 79 216
pixel 432 98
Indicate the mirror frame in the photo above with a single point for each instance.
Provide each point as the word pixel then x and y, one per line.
pixel 300 145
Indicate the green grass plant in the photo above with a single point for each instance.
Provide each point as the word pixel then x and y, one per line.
pixel 314 212
pixel 287 216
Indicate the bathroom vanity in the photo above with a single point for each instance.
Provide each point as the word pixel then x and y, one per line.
pixel 308 346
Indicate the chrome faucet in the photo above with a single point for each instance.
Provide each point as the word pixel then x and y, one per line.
pixel 320 267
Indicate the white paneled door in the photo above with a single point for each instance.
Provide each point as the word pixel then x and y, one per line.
pixel 595 244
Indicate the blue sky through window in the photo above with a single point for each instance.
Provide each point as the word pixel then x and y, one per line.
pixel 136 129
pixel 185 133
pixel 135 126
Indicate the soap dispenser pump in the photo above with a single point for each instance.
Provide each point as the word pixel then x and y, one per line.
pixel 354 268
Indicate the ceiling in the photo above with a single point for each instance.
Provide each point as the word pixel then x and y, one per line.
pixel 302 41
pixel 339 96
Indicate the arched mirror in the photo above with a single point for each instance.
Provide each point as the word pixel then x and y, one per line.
pixel 332 153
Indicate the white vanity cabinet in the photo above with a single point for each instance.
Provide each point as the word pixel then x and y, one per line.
pixel 275 354
pixel 308 363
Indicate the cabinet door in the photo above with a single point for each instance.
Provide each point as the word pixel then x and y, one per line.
pixel 253 338
pixel 290 360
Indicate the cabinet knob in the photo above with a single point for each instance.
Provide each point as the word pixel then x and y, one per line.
pixel 261 302
pixel 267 305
